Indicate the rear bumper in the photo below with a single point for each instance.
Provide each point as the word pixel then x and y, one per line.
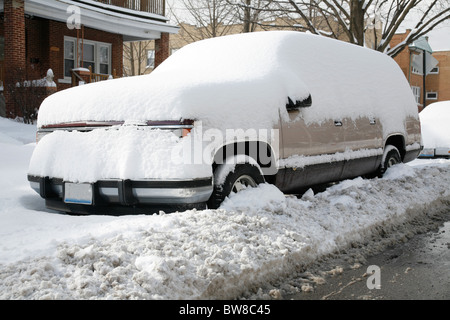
pixel 442 152
pixel 127 195
pixel 435 153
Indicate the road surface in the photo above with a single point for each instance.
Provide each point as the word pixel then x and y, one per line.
pixel 416 270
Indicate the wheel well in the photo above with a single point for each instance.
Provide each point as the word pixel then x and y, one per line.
pixel 397 141
pixel 260 151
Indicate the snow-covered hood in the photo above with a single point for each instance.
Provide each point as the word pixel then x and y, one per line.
pixel 244 81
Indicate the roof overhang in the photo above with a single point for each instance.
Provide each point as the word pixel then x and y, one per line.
pixel 133 25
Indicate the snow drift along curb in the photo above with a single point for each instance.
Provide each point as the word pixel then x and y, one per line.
pixel 257 236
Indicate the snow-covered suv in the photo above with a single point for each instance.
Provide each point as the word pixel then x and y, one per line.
pixel 219 115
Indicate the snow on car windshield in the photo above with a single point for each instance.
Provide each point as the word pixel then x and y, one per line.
pixel 435 120
pixel 243 81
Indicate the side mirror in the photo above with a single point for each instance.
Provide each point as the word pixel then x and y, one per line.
pixel 305 103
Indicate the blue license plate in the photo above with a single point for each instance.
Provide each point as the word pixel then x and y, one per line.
pixel 78 193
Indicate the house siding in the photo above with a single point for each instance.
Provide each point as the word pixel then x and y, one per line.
pixel 14 52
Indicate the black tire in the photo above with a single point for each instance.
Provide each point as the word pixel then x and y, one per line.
pixel 245 174
pixel 391 157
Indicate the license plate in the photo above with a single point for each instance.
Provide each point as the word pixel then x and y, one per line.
pixel 427 153
pixel 78 193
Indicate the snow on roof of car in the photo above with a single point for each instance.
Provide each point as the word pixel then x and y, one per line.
pixel 435 125
pixel 243 81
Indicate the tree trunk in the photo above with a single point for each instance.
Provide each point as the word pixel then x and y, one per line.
pixel 247 15
pixel 132 59
pixel 357 13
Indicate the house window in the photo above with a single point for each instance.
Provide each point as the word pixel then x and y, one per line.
pixel 415 70
pixel 94 54
pixel 432 95
pixel 88 55
pixel 69 57
pixel 104 59
pixel 416 92
pixel 435 70
pixel 150 58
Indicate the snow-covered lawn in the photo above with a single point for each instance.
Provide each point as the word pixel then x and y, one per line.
pixel 256 237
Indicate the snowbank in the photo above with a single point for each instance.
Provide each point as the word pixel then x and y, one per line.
pixel 14 132
pixel 257 236
pixel 435 124
pixel 244 81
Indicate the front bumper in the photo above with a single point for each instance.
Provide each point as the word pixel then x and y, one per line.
pixel 135 196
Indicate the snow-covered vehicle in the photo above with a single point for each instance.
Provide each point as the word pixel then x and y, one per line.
pixel 435 121
pixel 219 115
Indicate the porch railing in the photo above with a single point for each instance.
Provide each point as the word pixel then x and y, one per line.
pixel 96 77
pixel 151 6
pixel 87 76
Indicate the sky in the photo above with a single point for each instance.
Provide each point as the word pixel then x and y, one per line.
pixel 439 38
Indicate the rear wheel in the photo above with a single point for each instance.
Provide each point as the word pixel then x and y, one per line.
pixel 227 181
pixel 390 158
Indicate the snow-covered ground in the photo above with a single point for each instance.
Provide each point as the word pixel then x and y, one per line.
pixel 256 237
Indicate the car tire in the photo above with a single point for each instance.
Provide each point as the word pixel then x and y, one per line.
pixel 390 158
pixel 227 181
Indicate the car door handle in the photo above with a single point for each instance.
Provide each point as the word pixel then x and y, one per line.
pixel 338 123
pixel 373 121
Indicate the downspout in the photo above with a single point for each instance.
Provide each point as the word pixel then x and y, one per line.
pixel 410 66
pixel 424 76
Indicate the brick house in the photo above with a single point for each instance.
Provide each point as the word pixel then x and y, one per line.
pixel 65 35
pixel 437 81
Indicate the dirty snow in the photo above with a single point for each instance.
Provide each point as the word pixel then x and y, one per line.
pixel 255 238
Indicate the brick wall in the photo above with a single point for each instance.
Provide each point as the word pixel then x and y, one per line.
pixel 161 49
pixel 440 82
pixel 37 59
pixel 14 48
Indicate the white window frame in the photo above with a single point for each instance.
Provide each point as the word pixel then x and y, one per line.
pixel 417 92
pixel 415 71
pixel 151 65
pixel 432 93
pixel 97 46
pixel 434 72
pixel 74 41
